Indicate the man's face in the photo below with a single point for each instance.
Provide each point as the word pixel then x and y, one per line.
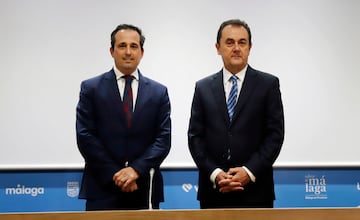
pixel 234 48
pixel 127 51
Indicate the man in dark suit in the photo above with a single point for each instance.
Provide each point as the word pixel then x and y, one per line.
pixel 236 127
pixel 123 130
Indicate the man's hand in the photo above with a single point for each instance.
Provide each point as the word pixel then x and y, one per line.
pixel 234 180
pixel 222 179
pixel 240 175
pixel 126 179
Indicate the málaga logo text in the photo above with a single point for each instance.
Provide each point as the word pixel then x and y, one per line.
pixel 315 187
pixel 23 190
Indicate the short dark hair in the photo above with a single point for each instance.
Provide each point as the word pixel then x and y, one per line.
pixel 127 27
pixel 235 22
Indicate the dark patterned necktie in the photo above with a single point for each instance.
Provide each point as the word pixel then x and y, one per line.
pixel 128 99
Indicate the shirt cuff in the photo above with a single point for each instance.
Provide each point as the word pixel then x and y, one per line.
pixel 213 176
pixel 251 175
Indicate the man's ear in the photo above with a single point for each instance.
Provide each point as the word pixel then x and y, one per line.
pixel 111 51
pixel 217 47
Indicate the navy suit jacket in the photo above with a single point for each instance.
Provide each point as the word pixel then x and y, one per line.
pixel 106 143
pixel 253 138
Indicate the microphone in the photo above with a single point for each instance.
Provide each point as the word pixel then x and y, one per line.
pixel 152 171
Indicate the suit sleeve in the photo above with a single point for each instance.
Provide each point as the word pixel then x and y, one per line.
pixel 270 147
pixel 89 144
pixel 196 134
pixel 159 149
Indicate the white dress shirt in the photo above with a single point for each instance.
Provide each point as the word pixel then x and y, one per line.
pixel 121 83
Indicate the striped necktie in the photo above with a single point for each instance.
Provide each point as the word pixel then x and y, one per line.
pixel 231 103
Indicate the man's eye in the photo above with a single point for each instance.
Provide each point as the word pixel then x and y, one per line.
pixel 229 43
pixel 243 42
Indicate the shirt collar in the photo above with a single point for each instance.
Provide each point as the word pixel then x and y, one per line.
pixel 240 75
pixel 119 74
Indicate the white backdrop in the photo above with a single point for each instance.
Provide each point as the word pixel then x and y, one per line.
pixel 49 46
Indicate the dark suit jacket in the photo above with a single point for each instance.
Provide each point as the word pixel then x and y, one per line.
pixel 106 142
pixel 253 138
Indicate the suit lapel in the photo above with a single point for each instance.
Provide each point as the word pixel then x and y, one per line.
pixel 217 87
pixel 112 90
pixel 247 88
pixel 142 96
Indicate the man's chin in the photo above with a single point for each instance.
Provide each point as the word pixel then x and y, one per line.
pixel 128 66
pixel 127 69
pixel 237 60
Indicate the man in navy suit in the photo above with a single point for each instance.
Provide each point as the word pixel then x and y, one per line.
pixel 123 130
pixel 236 127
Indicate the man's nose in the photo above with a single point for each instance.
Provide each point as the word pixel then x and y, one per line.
pixel 127 51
